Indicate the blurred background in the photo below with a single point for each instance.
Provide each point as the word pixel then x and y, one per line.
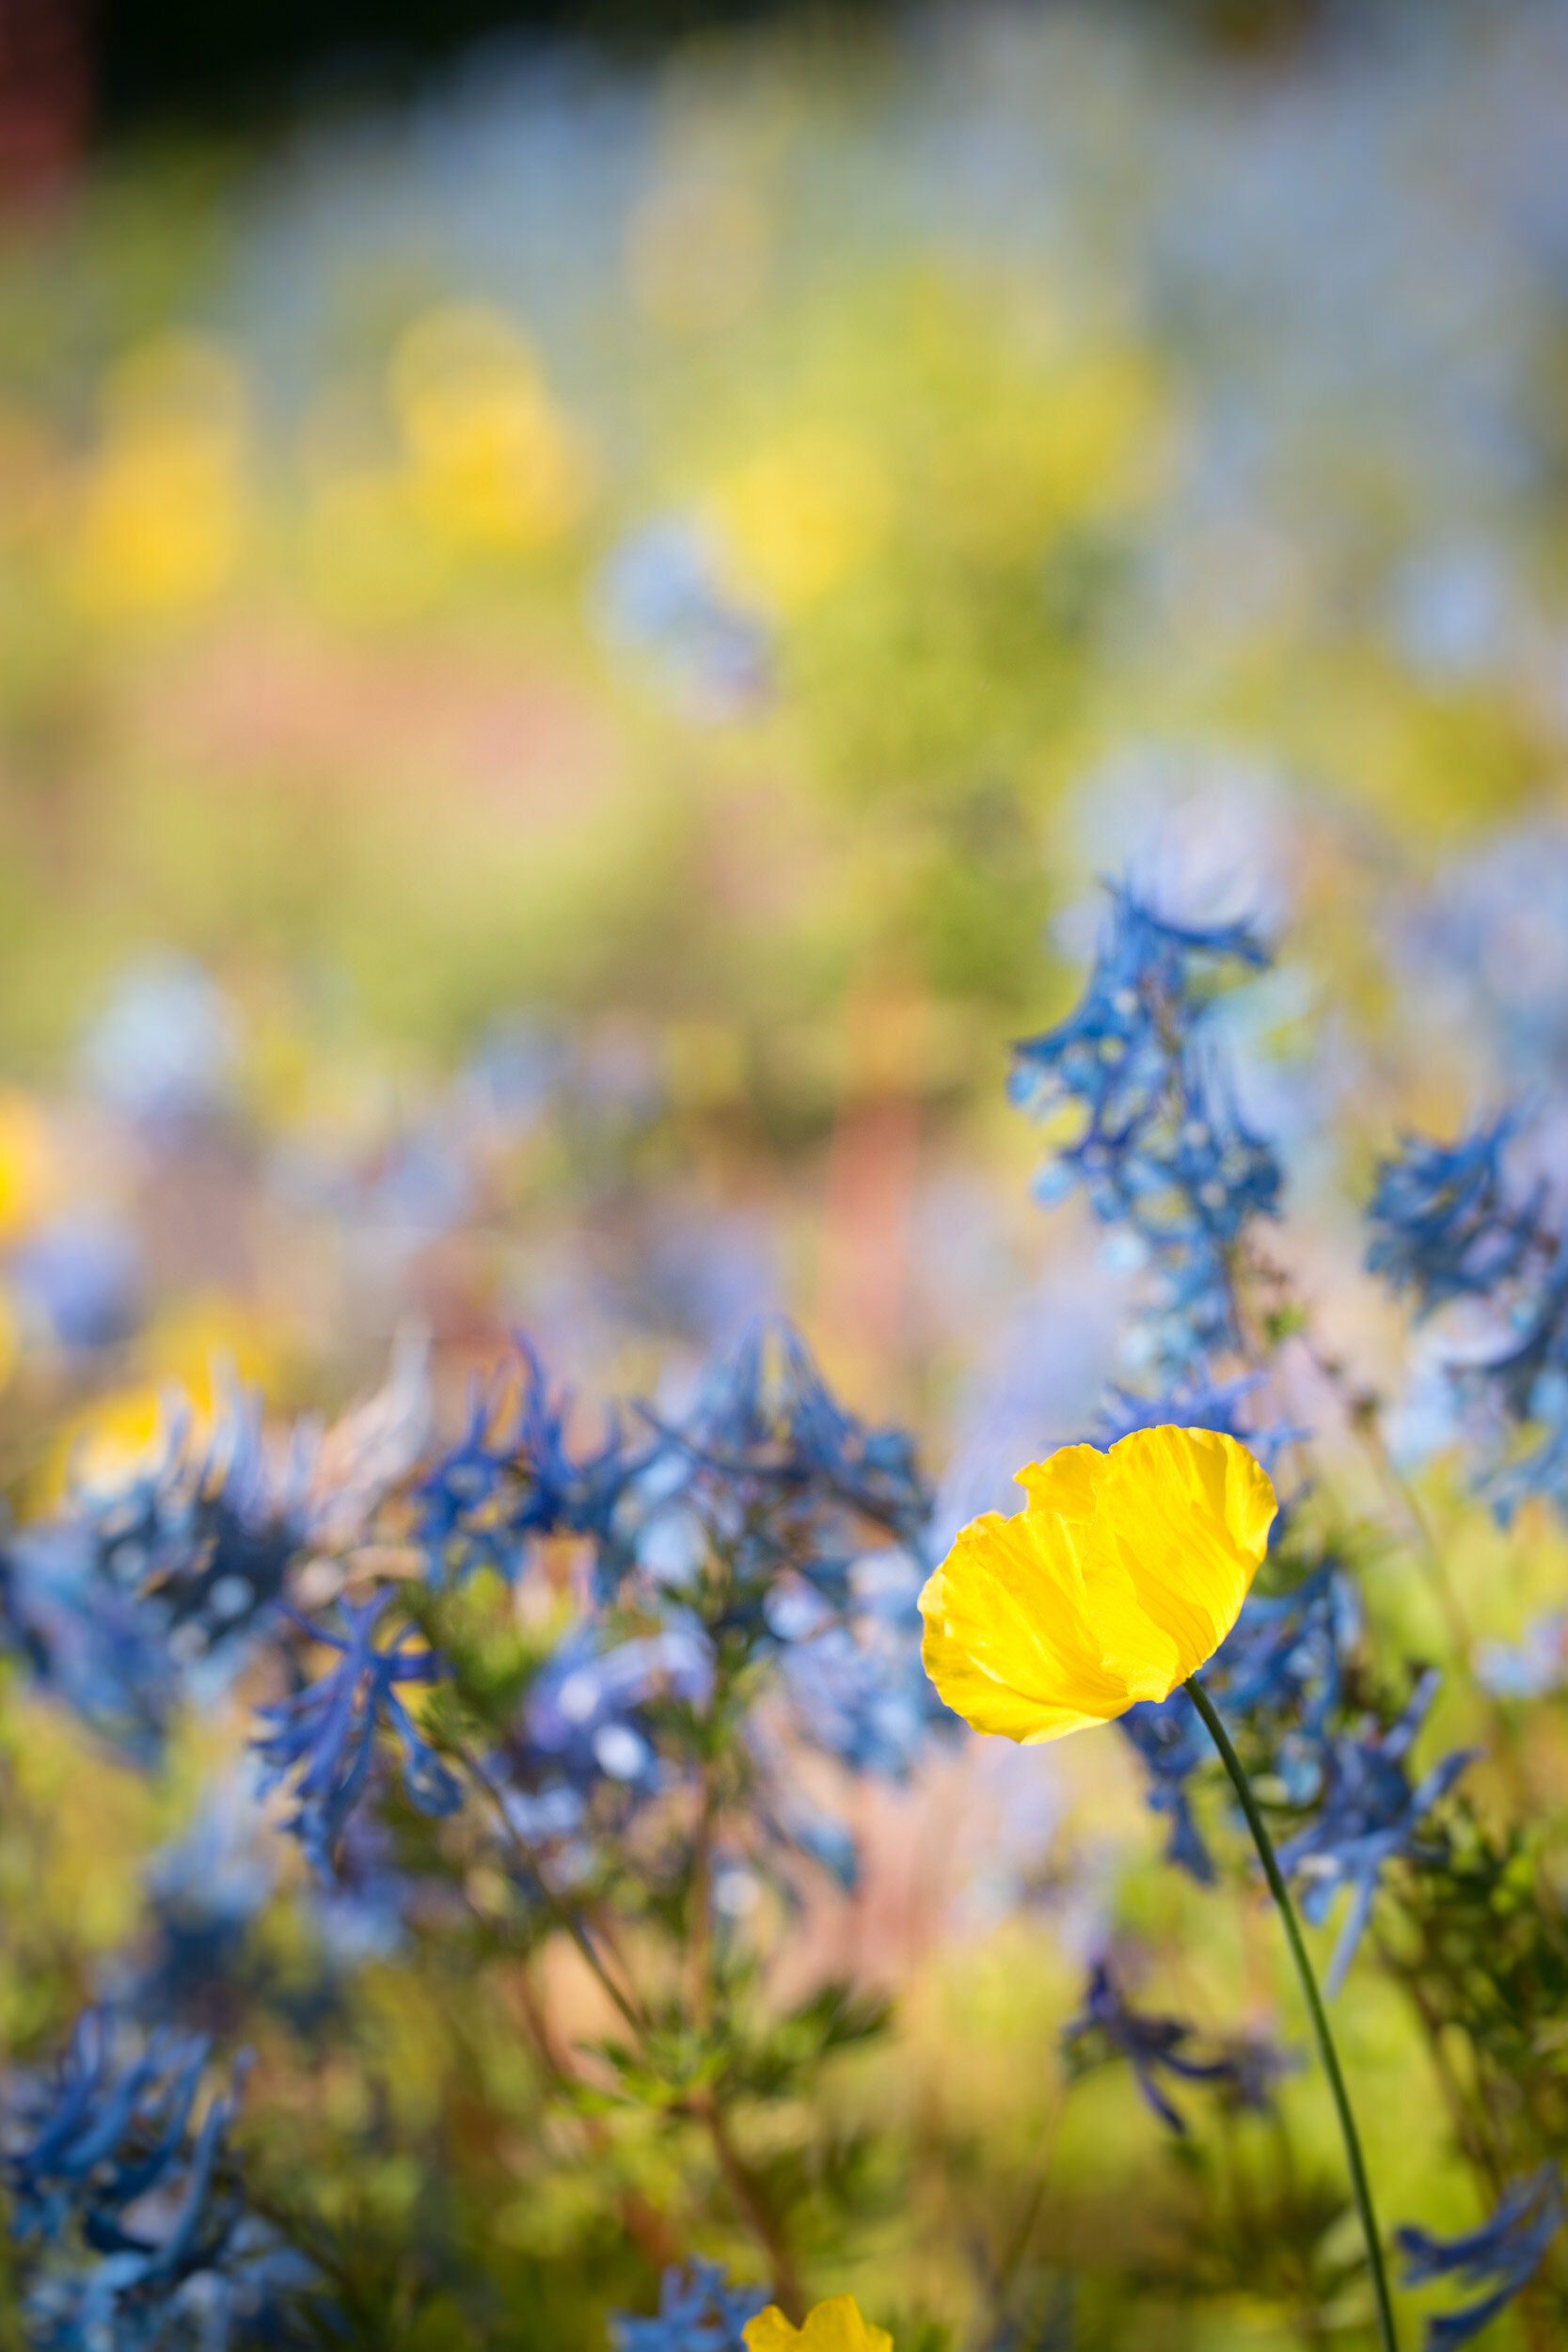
pixel 585 592
pixel 585 596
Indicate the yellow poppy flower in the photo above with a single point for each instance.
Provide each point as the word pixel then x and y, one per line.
pixel 832 2326
pixel 1123 1574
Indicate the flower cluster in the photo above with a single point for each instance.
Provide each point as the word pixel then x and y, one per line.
pixel 159 1573
pixel 1441 1222
pixel 321 1742
pixel 129 2214
pixel 1448 1226
pixel 1370 1812
pixel 1501 2256
pixel 1157 1141
pixel 698 2311
pixel 513 1477
pixel 1107 2027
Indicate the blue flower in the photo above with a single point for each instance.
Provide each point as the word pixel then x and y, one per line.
pixel 89 1645
pixel 513 1475
pixel 1161 1145
pixel 661 595
pixel 585 1724
pixel 783 1474
pixel 1442 1225
pixel 698 2311
pixel 324 1739
pixel 1502 2255
pixel 1197 1401
pixel 148 1578
pixel 130 2217
pixel 79 1277
pixel 1369 1813
pixel 859 1693
pixel 1282 1670
pixel 1170 1738
pixel 1107 2027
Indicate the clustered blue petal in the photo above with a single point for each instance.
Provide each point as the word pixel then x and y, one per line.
pixel 1370 1812
pixel 1108 2026
pixel 513 1476
pixel 130 2215
pixel 1169 1735
pixel 698 2311
pixel 1162 1147
pixel 1442 1224
pixel 777 1466
pixel 166 1571
pixel 751 1536
pixel 1446 1225
pixel 1197 1401
pixel 322 1739
pixel 584 1753
pixel 1501 2256
pixel 1282 1670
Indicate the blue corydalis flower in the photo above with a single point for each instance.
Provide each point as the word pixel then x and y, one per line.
pixel 1199 1402
pixel 87 1643
pixel 860 1693
pixel 164 1571
pixel 1107 2027
pixel 1370 1812
pixel 1174 1746
pixel 585 1721
pixel 698 2311
pixel 1501 2256
pixel 128 2214
pixel 1162 1147
pixel 774 1457
pixel 1442 1226
pixel 513 1475
pixel 1281 1670
pixel 322 1740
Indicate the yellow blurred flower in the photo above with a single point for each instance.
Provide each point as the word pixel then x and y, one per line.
pixel 191 1352
pixel 27 1163
pixel 1123 1573
pixel 836 2325
pixel 494 462
pixel 116 1434
pixel 160 508
pixel 803 515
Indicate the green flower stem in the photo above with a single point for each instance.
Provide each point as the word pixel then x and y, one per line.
pixel 1324 2037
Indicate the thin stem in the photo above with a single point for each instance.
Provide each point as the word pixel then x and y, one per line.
pixel 753 2205
pixel 561 1913
pixel 1322 2034
pixel 699 1907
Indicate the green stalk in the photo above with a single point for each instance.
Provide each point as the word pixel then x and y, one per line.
pixel 1324 2037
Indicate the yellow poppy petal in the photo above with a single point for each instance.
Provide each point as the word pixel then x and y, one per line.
pixel 1124 1572
pixel 836 2325
pixel 1190 1511
pixel 988 1705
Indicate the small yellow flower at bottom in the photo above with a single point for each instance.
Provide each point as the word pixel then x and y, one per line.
pixel 1122 1575
pixel 832 2326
